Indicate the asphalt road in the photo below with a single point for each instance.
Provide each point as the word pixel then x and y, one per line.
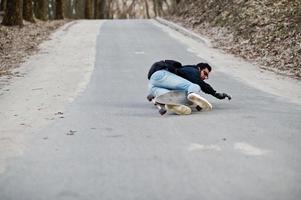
pixel 113 144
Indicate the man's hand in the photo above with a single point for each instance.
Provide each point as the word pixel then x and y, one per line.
pixel 222 96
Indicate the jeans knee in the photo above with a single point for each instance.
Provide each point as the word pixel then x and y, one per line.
pixel 158 75
pixel 194 88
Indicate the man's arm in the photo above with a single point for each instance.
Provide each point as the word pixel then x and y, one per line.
pixel 191 73
pixel 209 90
pixel 205 87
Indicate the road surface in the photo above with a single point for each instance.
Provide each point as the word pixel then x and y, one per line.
pixel 110 143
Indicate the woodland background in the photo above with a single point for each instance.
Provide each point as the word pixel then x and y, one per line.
pixel 267 32
pixel 17 10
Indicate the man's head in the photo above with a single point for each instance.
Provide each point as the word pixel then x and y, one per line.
pixel 205 69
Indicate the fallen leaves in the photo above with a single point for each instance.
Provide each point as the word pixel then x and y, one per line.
pixel 16 43
pixel 266 31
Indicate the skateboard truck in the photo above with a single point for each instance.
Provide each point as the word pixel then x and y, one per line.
pixel 198 108
pixel 150 97
pixel 162 111
pixel 161 108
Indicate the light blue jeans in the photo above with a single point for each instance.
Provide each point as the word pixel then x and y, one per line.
pixel 163 81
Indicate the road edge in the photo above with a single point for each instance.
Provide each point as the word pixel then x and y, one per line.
pixel 184 31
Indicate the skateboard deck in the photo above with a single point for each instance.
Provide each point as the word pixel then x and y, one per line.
pixel 180 98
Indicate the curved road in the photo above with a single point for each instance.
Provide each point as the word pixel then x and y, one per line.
pixel 113 144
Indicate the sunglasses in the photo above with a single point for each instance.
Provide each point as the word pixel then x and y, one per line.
pixel 205 73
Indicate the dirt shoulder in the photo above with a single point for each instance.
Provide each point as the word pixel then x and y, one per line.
pixel 17 43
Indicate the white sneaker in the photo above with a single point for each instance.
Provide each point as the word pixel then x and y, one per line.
pixel 200 101
pixel 178 109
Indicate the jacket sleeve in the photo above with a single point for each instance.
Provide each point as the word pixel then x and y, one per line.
pixel 205 87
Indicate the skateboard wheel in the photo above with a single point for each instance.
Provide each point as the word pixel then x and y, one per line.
pixel 162 111
pixel 198 108
pixel 150 97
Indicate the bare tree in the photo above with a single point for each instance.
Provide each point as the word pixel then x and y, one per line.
pixel 108 10
pixel 28 11
pixel 41 9
pixel 2 5
pixel 124 10
pixel 158 7
pixel 100 9
pixel 173 5
pixel 130 9
pixel 79 6
pixel 68 8
pixel 89 9
pixel 51 10
pixel 120 9
pixel 155 7
pixel 167 5
pixel 146 9
pixel 59 9
pixel 13 13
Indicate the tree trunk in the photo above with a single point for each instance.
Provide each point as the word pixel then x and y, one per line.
pixel 3 5
pixel 159 7
pixel 79 9
pixel 51 9
pixel 59 9
pixel 96 9
pixel 67 9
pixel 89 9
pixel 99 9
pixel 146 9
pixel 129 10
pixel 71 8
pixel 28 11
pixel 173 6
pixel 169 7
pixel 41 9
pixel 108 10
pixel 13 13
pixel 155 7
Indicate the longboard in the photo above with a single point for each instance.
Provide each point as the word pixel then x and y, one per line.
pixel 179 97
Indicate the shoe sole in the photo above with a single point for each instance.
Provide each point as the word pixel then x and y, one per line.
pixel 200 101
pixel 178 109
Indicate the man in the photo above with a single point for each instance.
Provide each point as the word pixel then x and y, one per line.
pixel 168 75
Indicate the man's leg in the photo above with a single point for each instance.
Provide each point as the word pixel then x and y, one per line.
pixel 169 81
pixel 163 81
pixel 156 91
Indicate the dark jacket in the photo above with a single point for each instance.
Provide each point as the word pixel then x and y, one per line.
pixel 189 72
